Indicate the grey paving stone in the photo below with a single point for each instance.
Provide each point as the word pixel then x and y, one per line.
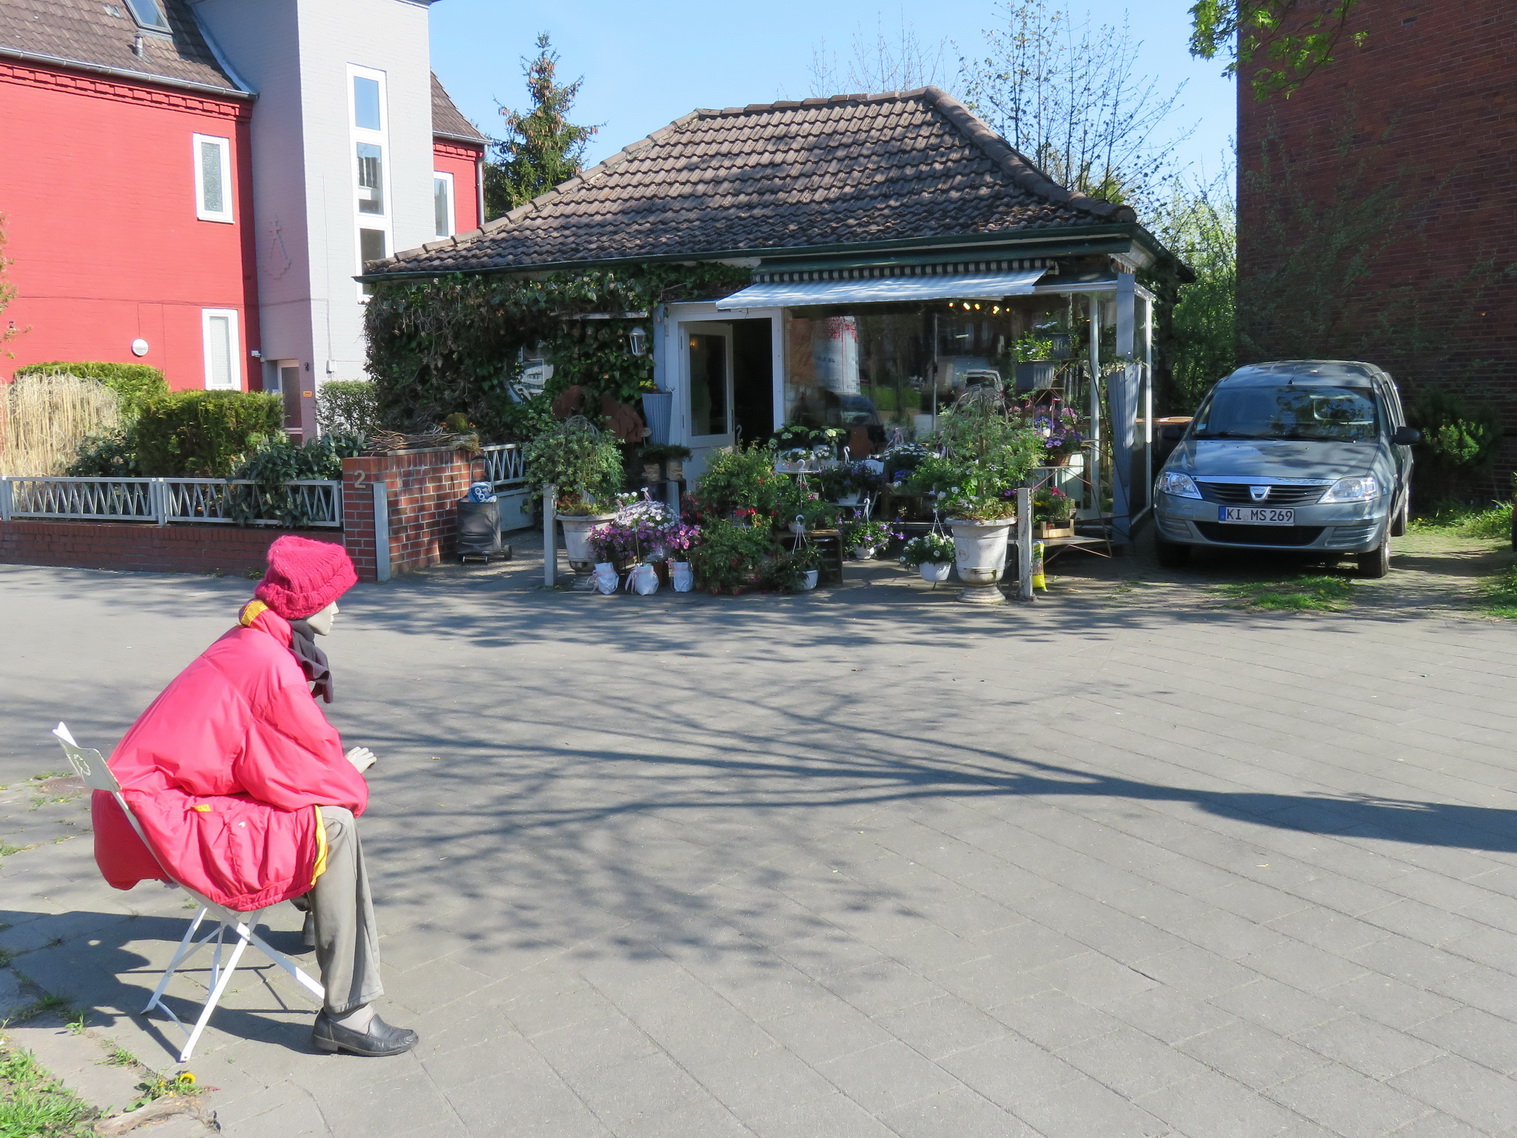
pixel 1131 1063
pixel 1303 966
pixel 1094 979
pixel 1251 1055
pixel 827 1031
pixel 1084 1107
pixel 1276 1006
pixel 1389 1001
pixel 1169 1015
pixel 1327 929
pixel 1198 1106
pixel 1010 1070
pixel 1367 1046
pixel 755 1085
pixel 953 1114
pixel 942 1026
pixel 837 1116
pixel 1348 1103
pixel 886 1076
pixel 1055 1019
pixel 1197 971
pixel 1474 1034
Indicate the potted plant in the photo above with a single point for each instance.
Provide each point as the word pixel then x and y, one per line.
pixel 803 510
pixel 1053 511
pixel 931 554
pixel 846 483
pixel 1035 362
pixel 664 462
pixel 584 466
pixel 738 478
pixel 730 555
pixel 983 454
pixel 866 538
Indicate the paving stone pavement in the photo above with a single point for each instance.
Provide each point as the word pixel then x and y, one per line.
pixel 862 863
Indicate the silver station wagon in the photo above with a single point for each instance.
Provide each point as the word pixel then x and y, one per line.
pixel 1310 456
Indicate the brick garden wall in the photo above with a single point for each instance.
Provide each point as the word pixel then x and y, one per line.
pixel 229 550
pixel 1427 106
pixel 422 489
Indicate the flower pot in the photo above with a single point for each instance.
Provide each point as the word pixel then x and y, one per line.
pixel 577 529
pixel 681 577
pixel 657 408
pixel 652 472
pixel 605 577
pixel 863 553
pixel 676 469
pixel 854 499
pixel 809 578
pixel 981 557
pixel 934 571
pixel 1045 530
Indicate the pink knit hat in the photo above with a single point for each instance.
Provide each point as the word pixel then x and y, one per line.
pixel 304 576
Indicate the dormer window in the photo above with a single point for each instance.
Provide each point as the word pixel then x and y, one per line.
pixel 149 15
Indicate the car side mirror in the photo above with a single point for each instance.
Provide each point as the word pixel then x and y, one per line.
pixel 1406 436
pixel 1172 432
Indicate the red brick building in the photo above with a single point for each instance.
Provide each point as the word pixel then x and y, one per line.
pixel 1378 203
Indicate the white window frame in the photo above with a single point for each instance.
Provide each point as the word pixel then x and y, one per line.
pixel 234 348
pixel 380 138
pixel 224 145
pixel 447 179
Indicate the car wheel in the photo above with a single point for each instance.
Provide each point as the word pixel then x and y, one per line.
pixel 1377 562
pixel 1170 554
pixel 1403 516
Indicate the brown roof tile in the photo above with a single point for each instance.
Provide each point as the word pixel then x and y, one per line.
pixel 847 170
pixel 448 121
pixel 102 34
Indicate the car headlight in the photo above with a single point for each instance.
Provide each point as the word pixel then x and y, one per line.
pixel 1352 490
pixel 1180 485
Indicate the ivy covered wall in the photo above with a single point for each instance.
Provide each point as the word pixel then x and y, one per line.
pixel 453 344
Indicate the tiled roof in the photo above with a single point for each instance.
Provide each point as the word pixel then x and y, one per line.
pixel 98 34
pixel 448 121
pixel 847 170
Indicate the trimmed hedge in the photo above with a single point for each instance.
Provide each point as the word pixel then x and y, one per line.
pixel 202 434
pixel 347 406
pixel 134 384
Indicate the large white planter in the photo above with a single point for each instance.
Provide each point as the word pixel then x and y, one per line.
pixel 934 571
pixel 577 529
pixel 980 549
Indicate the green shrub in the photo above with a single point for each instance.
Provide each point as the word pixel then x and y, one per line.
pixel 275 460
pixel 110 454
pixel 731 555
pixel 739 479
pixel 134 384
pixel 1460 442
pixel 582 463
pixel 347 406
pixel 202 434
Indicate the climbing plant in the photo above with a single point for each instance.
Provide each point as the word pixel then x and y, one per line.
pixel 454 344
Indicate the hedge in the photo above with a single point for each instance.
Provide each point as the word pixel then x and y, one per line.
pixel 202 434
pixel 134 384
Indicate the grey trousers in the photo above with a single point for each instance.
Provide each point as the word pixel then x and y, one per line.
pixel 347 942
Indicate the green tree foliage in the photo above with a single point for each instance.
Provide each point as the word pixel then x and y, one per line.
pixel 1069 96
pixel 542 147
pixel 347 406
pixel 1460 444
pixel 1200 226
pixel 1287 40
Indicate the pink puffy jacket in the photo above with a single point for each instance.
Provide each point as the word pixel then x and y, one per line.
pixel 224 770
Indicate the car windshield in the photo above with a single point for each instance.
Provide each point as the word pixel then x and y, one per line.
pixel 1338 414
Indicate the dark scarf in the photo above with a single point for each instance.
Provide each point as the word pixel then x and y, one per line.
pixel 313 661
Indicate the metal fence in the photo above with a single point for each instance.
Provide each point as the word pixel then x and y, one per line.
pixel 167 501
pixel 503 465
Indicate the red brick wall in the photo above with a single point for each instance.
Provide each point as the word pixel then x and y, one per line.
pixel 423 489
pixel 1428 104
pixel 230 550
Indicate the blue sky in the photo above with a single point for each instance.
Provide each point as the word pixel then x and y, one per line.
pixel 646 64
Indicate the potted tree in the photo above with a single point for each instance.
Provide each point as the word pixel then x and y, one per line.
pixel 584 466
pixel 983 455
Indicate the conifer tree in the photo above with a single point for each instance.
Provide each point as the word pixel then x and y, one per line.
pixel 542 147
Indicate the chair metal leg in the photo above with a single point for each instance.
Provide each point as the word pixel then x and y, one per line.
pixel 185 948
pixel 221 982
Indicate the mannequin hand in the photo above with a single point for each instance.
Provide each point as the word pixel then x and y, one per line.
pixel 362 758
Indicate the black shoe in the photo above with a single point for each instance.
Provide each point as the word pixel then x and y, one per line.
pixel 380 1039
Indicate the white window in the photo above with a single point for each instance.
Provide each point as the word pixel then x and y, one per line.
pixel 218 330
pixel 371 178
pixel 213 178
pixel 442 203
pixel 368 100
pixel 148 14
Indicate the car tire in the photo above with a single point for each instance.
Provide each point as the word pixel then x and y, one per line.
pixel 1403 516
pixel 1377 562
pixel 1170 554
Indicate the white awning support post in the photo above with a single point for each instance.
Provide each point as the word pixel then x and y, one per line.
pixel 550 537
pixel 381 530
pixel 1122 401
pixel 1024 543
pixel 1094 307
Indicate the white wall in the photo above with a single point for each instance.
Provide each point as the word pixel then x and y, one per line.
pixel 295 55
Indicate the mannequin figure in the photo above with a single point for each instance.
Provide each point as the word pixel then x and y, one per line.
pixel 250 799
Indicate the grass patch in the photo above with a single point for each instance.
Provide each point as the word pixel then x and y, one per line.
pixel 33 1104
pixel 1311 593
pixel 1458 519
pixel 1500 594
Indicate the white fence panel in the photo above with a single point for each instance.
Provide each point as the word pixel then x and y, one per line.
pixel 317 503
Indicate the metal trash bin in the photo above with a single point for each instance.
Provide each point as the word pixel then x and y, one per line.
pixel 479 530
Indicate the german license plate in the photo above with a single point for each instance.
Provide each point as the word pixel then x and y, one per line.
pixel 1256 515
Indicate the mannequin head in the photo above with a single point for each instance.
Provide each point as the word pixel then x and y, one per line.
pixel 321 622
pixel 305 578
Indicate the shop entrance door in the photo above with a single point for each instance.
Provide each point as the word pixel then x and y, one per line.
pixel 708 388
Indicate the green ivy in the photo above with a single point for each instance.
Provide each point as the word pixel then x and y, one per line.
pixel 450 344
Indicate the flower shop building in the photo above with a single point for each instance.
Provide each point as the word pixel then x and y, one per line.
pixel 893 251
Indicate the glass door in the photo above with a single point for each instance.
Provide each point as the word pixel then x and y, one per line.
pixel 708 388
